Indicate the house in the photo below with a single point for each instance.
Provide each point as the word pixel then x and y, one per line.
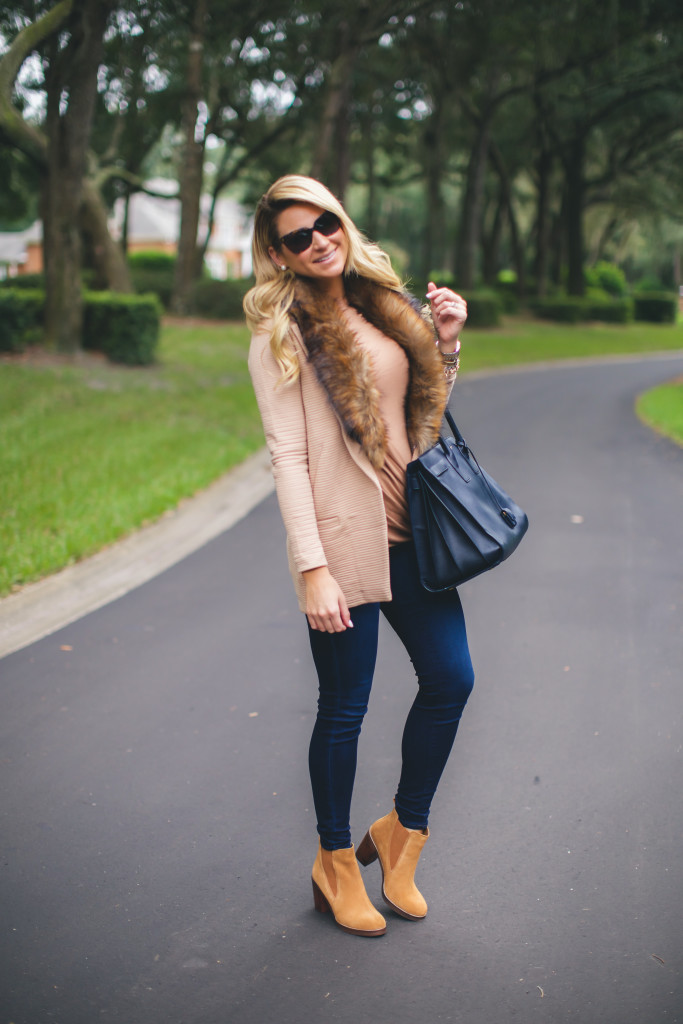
pixel 21 252
pixel 153 223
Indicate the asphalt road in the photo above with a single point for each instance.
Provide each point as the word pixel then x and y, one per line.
pixel 157 831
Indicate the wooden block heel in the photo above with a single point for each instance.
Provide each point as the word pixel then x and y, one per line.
pixel 366 852
pixel 319 901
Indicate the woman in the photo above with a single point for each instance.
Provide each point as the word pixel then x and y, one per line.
pixel 352 381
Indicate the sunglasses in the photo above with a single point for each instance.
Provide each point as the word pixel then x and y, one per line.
pixel 299 241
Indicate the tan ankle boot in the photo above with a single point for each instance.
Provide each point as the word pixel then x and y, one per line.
pixel 338 887
pixel 399 850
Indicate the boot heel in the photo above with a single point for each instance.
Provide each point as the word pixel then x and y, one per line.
pixel 366 852
pixel 319 901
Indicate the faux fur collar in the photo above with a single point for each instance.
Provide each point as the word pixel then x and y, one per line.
pixel 345 371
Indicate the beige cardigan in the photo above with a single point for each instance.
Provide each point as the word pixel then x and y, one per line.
pixel 328 491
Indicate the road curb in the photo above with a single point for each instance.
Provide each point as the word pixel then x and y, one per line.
pixel 42 608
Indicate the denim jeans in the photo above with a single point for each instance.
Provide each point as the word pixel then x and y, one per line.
pixel 432 629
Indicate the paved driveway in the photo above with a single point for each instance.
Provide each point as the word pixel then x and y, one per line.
pixel 157 830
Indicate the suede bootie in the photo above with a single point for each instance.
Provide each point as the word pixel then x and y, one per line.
pixel 399 850
pixel 338 887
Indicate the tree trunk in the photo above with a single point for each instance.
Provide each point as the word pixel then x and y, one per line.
pixel 433 252
pixel 108 255
pixel 574 174
pixel 470 219
pixel 542 257
pixel 191 171
pixel 329 162
pixel 515 240
pixel 491 245
pixel 71 93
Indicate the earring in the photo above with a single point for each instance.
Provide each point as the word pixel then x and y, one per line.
pixel 283 268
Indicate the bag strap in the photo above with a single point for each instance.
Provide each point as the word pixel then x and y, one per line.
pixel 454 428
pixel 507 515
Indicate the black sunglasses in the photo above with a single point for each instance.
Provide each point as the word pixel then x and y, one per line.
pixel 300 240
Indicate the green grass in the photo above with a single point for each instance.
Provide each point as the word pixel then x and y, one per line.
pixel 87 454
pixel 662 409
pixel 529 341
pixel 90 452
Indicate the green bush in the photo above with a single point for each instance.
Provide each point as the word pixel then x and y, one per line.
pixel 610 311
pixel 656 307
pixel 564 309
pixel 507 277
pixel 124 327
pixel 607 276
pixel 23 281
pixel 219 300
pixel 649 283
pixel 151 259
pixel 21 318
pixel 158 282
pixel 483 308
pixel 442 278
pixel 507 295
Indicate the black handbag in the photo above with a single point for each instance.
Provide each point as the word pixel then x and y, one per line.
pixel 463 523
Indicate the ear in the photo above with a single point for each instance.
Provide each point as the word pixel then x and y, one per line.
pixel 276 258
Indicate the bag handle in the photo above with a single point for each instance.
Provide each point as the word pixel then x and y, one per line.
pixel 454 429
pixel 506 513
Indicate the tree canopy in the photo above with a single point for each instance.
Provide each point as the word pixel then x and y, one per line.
pixel 474 136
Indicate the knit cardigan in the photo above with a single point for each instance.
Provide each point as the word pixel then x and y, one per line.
pixel 326 436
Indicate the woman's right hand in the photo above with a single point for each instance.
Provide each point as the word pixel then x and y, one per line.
pixel 326 606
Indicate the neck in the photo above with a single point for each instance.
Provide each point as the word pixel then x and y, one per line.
pixel 333 288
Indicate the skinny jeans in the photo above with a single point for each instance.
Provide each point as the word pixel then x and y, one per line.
pixel 432 630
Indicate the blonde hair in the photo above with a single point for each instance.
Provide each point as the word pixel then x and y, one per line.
pixel 271 297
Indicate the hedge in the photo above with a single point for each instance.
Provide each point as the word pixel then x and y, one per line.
pixel 568 309
pixel 656 307
pixel 158 281
pixel 24 281
pixel 124 327
pixel 219 300
pixel 151 259
pixel 483 308
pixel 21 318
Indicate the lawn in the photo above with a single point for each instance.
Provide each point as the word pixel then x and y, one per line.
pixel 662 409
pixel 89 452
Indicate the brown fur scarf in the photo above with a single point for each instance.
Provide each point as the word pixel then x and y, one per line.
pixel 345 371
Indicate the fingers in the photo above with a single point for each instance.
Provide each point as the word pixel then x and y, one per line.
pixel 329 621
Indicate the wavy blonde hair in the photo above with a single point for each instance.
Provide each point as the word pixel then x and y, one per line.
pixel 270 300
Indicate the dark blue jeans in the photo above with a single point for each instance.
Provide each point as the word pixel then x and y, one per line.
pixel 432 629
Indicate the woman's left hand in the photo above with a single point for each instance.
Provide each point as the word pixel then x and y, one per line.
pixel 449 313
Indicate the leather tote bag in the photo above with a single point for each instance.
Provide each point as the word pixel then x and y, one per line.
pixel 463 522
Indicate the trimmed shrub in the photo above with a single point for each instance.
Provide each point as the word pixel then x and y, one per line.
pixel 124 327
pixel 610 311
pixel 151 259
pixel 23 281
pixel 21 318
pixel 563 309
pixel 219 300
pixel 506 292
pixel 158 282
pixel 152 271
pixel 656 307
pixel 483 308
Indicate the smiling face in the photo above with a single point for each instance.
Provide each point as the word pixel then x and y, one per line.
pixel 324 260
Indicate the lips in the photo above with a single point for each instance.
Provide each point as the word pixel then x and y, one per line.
pixel 326 257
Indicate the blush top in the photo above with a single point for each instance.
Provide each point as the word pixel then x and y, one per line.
pixel 391 375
